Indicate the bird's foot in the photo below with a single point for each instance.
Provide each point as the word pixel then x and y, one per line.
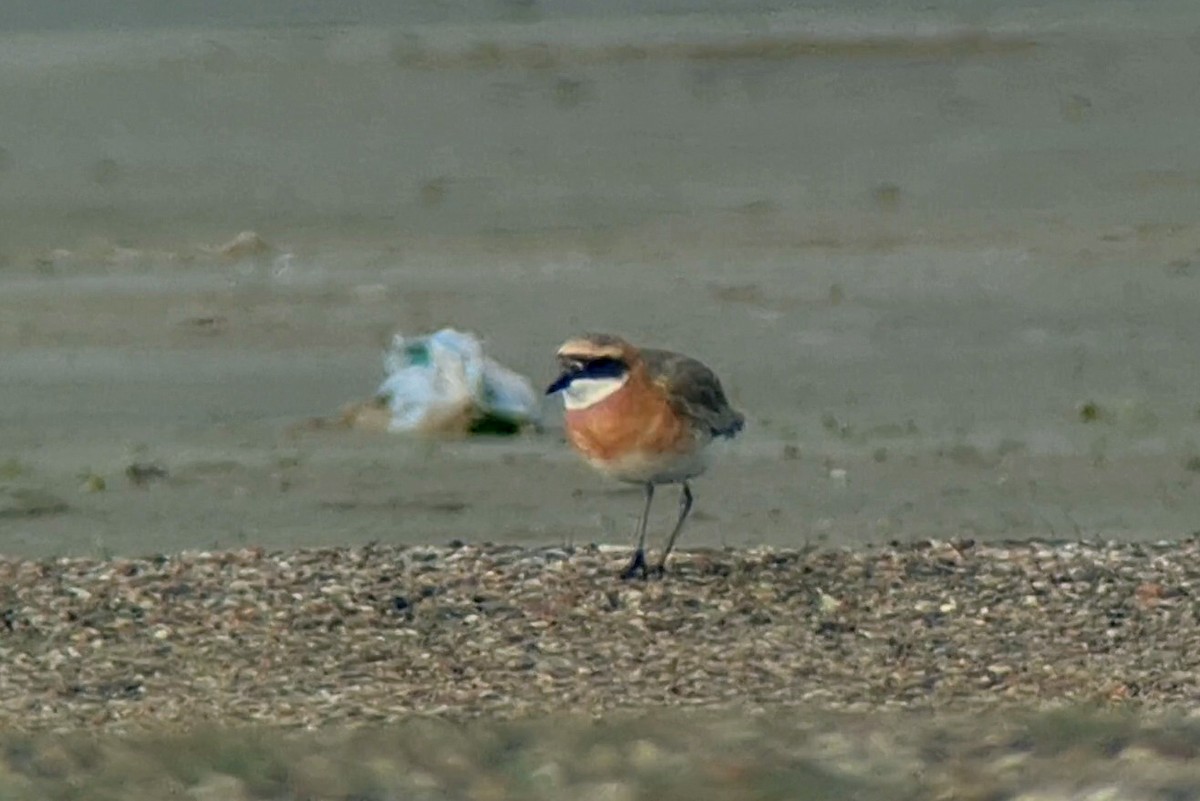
pixel 659 571
pixel 637 567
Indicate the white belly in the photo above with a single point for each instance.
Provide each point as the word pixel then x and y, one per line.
pixel 656 469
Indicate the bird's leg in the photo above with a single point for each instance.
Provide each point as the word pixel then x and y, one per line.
pixel 637 566
pixel 685 506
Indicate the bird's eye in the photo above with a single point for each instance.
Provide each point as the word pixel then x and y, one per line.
pixel 606 365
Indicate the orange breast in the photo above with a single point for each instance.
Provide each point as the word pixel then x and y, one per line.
pixel 634 419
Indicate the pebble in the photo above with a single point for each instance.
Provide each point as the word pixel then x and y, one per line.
pixel 646 757
pixel 603 758
pixel 219 787
pixel 244 245
pixel 548 777
pixel 604 791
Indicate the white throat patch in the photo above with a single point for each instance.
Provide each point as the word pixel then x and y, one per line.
pixel 584 392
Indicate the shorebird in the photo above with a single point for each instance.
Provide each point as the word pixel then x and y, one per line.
pixel 642 416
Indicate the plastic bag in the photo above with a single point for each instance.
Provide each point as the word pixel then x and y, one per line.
pixel 443 382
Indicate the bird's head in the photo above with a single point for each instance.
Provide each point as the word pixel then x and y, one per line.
pixel 595 358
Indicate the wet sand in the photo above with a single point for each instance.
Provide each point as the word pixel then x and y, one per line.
pixel 963 415
pixel 925 266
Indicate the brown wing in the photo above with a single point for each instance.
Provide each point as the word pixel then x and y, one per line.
pixel 695 391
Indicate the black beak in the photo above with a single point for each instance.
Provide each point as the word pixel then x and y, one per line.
pixel 560 383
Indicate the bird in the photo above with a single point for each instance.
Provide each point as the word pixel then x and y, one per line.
pixel 643 416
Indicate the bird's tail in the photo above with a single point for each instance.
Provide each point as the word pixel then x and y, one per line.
pixel 737 422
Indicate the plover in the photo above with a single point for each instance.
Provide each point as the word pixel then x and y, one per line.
pixel 642 416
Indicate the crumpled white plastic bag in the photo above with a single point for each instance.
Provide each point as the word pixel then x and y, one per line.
pixel 444 382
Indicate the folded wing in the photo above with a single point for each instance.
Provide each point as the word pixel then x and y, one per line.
pixel 694 391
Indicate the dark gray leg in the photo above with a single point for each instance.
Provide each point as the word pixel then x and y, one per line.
pixel 637 566
pixel 685 506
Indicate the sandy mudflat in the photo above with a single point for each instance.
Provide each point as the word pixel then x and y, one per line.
pixel 992 391
pixel 953 290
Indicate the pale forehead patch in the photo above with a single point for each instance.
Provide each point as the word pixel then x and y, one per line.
pixel 594 347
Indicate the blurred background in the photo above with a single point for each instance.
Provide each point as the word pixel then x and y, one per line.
pixel 944 255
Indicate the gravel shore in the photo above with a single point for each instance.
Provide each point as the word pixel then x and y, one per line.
pixel 375 634
pixel 933 669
